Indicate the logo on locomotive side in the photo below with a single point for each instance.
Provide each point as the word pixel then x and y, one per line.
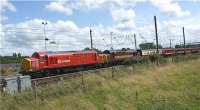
pixel 63 61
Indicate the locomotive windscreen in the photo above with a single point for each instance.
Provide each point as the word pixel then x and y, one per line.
pixel 35 55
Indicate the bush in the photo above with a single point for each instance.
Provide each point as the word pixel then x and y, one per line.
pixel 11 59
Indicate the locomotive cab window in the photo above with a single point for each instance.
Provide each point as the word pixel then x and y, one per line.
pixel 38 56
pixel 35 55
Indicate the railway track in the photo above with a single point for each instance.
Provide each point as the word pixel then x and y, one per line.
pixel 57 78
pixel 52 79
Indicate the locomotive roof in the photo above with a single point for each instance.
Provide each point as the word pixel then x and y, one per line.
pixel 122 51
pixel 70 52
pixel 42 53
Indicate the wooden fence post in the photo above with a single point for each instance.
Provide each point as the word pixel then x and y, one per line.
pixel 112 72
pixel 82 78
pixel 136 95
pixel 19 84
pixel 132 68
pixel 157 59
pixel 62 81
pixel 35 91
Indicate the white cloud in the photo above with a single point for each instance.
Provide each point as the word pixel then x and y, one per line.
pixel 124 18
pixel 4 6
pixel 121 10
pixel 68 6
pixel 90 4
pixel 191 29
pixel 123 15
pixel 126 25
pixel 172 29
pixel 65 25
pixel 1 38
pixel 69 36
pixel 3 18
pixel 27 36
pixel 60 7
pixel 170 8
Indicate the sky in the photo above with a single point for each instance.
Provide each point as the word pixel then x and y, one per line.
pixel 69 23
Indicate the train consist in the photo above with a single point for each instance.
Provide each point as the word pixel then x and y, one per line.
pixel 44 63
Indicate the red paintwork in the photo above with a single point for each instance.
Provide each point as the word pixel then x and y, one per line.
pixel 43 60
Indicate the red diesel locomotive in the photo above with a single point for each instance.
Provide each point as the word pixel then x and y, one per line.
pixel 43 61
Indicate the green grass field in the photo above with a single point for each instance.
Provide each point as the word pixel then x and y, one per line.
pixel 172 86
pixel 11 59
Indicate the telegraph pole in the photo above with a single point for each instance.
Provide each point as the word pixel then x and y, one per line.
pixel 156 34
pixel 45 38
pixel 170 42
pixel 184 39
pixel 91 41
pixel 112 68
pixel 111 35
pixel 135 41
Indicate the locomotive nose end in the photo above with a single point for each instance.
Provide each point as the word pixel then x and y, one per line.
pixel 26 65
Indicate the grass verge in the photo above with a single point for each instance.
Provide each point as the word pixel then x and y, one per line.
pixel 173 86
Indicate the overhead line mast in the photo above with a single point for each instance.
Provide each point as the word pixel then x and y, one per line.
pixel 135 41
pixel 156 34
pixel 111 38
pixel 91 41
pixel 184 39
pixel 170 42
